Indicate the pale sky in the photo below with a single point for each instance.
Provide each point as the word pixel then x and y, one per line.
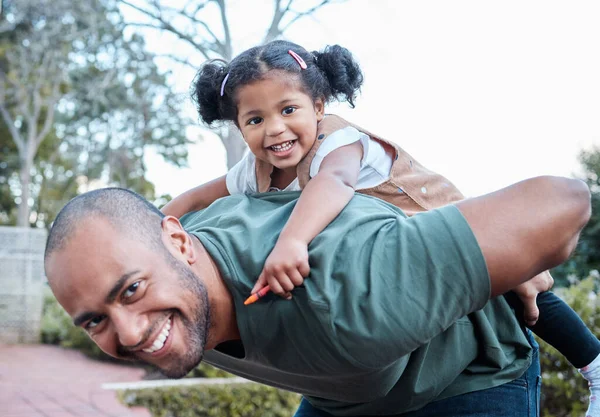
pixel 485 93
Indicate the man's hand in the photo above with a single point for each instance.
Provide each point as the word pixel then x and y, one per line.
pixel 528 293
pixel 285 268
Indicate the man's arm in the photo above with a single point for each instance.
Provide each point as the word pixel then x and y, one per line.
pixel 418 276
pixel 528 227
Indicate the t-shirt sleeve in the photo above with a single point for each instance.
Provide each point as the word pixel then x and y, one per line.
pixel 406 281
pixel 337 139
pixel 241 178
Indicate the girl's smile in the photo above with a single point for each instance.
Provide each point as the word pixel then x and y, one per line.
pixel 284 149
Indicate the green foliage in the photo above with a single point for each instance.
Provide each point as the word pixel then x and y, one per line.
pixel 587 255
pixel 55 321
pixel 233 400
pixel 564 390
pixel 115 106
pixel 205 370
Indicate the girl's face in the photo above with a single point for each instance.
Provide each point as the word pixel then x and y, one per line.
pixel 278 119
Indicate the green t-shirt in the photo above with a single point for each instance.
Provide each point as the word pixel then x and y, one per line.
pixel 394 315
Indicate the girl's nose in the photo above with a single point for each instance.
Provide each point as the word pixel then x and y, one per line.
pixel 275 126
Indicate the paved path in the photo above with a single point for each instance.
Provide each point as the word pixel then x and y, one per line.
pixel 49 381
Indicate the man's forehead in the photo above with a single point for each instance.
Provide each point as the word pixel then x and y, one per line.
pixel 91 244
pixel 84 270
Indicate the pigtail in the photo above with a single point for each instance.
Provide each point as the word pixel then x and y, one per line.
pixel 206 91
pixel 342 71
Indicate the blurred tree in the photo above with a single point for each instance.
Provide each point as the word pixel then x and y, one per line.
pixel 112 125
pixel 55 181
pixel 204 26
pixel 32 78
pixel 8 166
pixel 79 102
pixel 586 257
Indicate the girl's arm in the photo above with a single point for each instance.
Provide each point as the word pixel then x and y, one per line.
pixel 323 198
pixel 197 198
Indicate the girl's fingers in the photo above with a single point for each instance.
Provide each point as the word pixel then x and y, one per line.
pixel 260 283
pixel 304 268
pixel 276 287
pixel 296 277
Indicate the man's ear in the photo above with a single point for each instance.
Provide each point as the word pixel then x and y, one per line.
pixel 177 240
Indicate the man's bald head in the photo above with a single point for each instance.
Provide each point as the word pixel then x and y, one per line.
pixel 126 211
pixel 125 274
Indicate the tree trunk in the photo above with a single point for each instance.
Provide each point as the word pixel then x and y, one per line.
pixel 25 176
pixel 234 145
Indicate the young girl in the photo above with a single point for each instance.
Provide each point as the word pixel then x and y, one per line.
pixel 276 95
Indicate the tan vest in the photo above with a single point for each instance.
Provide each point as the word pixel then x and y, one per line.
pixel 410 187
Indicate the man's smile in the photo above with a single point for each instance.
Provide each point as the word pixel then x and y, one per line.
pixel 160 340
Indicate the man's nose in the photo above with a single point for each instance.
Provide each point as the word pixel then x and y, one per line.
pixel 275 126
pixel 130 329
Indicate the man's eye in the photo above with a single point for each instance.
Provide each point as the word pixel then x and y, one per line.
pixel 94 322
pixel 255 120
pixel 130 291
pixel 289 110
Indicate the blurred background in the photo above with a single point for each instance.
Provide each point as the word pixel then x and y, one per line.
pixel 95 93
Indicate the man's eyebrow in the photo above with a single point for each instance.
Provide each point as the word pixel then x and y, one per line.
pixel 112 295
pixel 83 317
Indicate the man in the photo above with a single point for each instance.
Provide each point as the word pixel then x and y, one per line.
pixel 397 312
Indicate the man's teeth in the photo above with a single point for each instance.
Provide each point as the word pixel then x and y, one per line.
pixel 282 146
pixel 160 339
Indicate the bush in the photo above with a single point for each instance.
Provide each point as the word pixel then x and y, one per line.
pixel 564 391
pixel 233 400
pixel 55 324
pixel 205 370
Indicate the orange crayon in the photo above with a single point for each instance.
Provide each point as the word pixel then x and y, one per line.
pixel 258 294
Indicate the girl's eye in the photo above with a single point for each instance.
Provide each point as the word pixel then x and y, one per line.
pixel 130 291
pixel 94 322
pixel 254 121
pixel 288 110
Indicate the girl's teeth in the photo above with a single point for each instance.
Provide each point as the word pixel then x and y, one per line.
pixel 283 147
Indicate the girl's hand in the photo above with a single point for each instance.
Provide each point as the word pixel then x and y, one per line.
pixel 285 268
pixel 528 292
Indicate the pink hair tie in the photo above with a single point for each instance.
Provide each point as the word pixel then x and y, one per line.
pixel 223 84
pixel 298 59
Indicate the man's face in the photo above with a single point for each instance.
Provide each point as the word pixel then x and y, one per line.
pixel 135 301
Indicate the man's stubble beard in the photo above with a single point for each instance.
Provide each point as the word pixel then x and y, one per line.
pixel 197 330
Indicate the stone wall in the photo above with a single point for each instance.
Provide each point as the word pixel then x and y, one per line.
pixel 22 281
